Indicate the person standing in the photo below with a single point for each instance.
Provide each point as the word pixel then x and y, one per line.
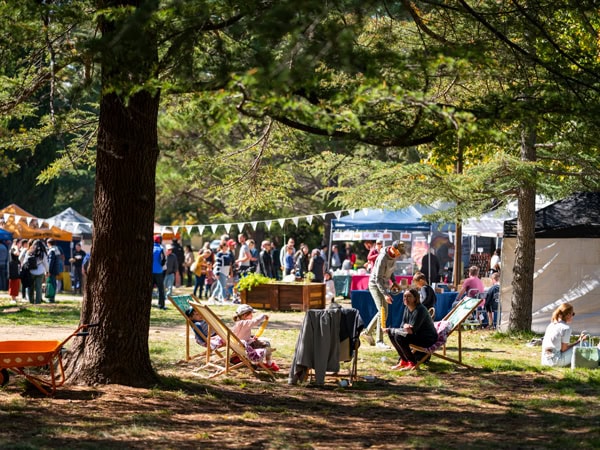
pixel 373 253
pixel 200 268
pixel 491 300
pixel 282 255
pixel 317 266
pixel 172 269
pixel 244 256
pixel 336 261
pixel 289 260
pixel 37 263
pixel 221 271
pixel 4 259
pixel 430 267
pixel 265 263
pixel 301 261
pixel 22 257
pixel 53 269
pixel 188 261
pixel 14 279
pixel 77 261
pixel 159 259
pixel 495 262
pixel 379 284
pixel 426 292
pixel 180 256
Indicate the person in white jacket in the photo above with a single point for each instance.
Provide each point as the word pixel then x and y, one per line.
pixel 36 260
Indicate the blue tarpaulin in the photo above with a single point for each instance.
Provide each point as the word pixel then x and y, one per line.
pixel 406 219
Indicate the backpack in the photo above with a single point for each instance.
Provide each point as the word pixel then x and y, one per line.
pixel 31 262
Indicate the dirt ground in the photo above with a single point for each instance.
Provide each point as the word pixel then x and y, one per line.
pixel 434 408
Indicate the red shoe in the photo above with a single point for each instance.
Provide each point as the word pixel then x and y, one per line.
pixel 274 367
pixel 409 366
pixel 401 365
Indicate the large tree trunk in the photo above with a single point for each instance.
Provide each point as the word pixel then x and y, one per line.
pixel 119 288
pixel 522 284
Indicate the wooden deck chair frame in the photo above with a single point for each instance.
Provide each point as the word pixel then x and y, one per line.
pixel 232 346
pixel 455 317
pixel 182 303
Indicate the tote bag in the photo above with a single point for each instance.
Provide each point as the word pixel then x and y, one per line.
pixel 585 357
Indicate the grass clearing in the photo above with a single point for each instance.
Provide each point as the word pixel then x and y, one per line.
pixel 506 401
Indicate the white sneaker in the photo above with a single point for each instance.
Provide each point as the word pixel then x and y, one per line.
pixel 383 346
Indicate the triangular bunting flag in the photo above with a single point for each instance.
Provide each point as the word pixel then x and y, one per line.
pixel 253 225
pixel 281 222
pixel 201 229
pixel 227 227
pixel 309 219
pixel 337 214
pixel 268 224
pixel 295 220
pixel 214 227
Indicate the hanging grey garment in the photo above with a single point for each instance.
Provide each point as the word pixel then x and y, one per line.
pixel 318 346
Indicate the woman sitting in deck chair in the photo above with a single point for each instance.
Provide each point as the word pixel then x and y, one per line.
pixel 416 328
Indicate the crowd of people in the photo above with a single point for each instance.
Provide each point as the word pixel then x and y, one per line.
pixel 33 268
pixel 214 273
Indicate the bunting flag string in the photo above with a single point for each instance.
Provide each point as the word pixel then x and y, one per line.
pixel 190 227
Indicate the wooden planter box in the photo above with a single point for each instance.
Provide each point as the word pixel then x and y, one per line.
pixel 286 296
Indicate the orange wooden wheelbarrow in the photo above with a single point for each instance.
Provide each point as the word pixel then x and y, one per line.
pixel 18 355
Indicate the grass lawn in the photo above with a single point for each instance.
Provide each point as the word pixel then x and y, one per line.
pixel 506 401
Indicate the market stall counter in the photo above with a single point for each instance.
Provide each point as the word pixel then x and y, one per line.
pixel 363 302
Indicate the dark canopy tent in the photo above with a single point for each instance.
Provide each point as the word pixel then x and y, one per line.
pixel 573 217
pixel 567 262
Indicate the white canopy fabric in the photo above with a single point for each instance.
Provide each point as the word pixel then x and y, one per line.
pixel 492 224
pixel 73 222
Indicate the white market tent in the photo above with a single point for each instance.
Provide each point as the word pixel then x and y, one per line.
pixel 491 224
pixel 73 222
pixel 567 263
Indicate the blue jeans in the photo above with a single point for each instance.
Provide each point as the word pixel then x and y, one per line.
pixel 199 284
pixel 169 282
pixel 220 290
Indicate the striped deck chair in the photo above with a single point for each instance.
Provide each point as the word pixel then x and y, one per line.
pixel 445 328
pixel 233 348
pixel 182 303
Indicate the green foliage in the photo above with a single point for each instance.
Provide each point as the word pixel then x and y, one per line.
pixel 252 280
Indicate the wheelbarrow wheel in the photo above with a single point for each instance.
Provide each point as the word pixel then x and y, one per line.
pixel 4 377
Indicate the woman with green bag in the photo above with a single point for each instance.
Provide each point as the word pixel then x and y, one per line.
pixel 53 269
pixel 557 349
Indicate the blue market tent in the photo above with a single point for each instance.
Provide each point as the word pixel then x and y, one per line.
pixel 406 219
pixel 5 235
